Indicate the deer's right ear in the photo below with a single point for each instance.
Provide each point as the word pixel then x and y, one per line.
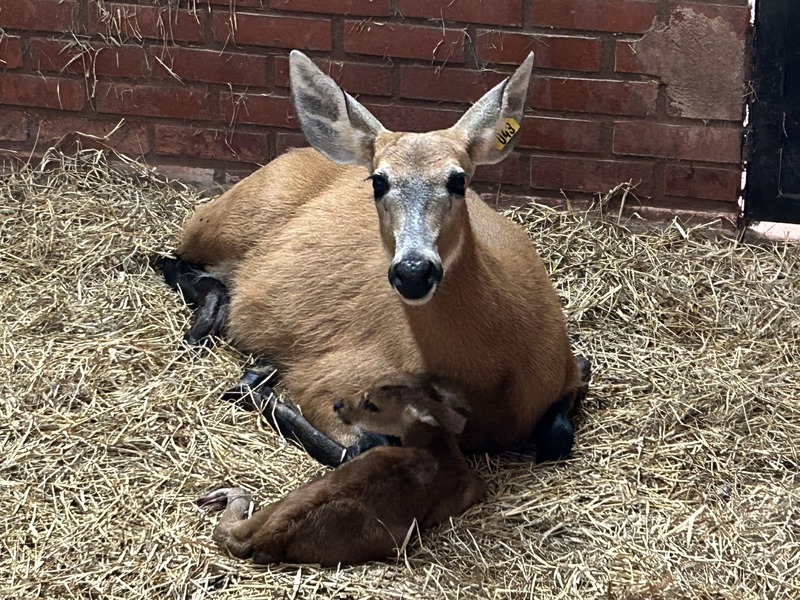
pixel 332 120
pixel 492 124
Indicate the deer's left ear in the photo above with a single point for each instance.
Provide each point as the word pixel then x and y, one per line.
pixel 492 125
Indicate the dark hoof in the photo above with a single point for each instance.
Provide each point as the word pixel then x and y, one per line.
pixel 584 368
pixel 556 442
pixel 169 267
pixel 195 341
pixel 247 398
pixel 254 388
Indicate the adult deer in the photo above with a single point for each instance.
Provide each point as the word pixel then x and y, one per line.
pixel 304 245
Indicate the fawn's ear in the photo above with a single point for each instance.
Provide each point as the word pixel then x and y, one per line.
pixel 448 408
pixel 438 415
pixel 332 120
pixel 492 124
pixel 451 420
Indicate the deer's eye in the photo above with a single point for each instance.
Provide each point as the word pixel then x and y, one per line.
pixel 457 184
pixel 380 185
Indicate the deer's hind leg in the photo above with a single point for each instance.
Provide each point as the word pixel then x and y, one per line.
pixel 554 436
pixel 315 385
pixel 203 291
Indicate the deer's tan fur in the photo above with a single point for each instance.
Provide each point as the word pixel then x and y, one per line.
pixel 306 254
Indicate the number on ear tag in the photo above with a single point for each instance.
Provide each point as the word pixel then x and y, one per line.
pixel 505 131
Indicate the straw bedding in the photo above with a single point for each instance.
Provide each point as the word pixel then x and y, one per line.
pixel 684 482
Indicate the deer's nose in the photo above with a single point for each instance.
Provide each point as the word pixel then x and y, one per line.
pixel 414 278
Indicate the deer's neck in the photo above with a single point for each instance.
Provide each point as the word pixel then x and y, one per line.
pixel 465 301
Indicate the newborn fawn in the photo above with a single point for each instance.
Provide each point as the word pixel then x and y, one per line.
pixel 364 509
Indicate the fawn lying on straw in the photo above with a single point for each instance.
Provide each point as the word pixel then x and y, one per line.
pixel 364 510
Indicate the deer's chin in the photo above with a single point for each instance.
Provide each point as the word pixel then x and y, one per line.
pixel 419 301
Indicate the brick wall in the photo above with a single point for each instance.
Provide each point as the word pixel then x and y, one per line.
pixel 649 91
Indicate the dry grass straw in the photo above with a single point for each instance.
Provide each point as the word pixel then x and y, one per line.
pixel 684 482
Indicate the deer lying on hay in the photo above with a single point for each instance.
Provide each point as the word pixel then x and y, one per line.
pixel 365 509
pixel 304 245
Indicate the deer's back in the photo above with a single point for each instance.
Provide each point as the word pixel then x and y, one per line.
pixel 224 230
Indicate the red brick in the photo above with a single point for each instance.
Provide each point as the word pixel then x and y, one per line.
pixel 710 144
pixel 636 98
pixel 14 125
pixel 355 78
pixel 132 139
pixel 256 109
pixel 738 17
pixel 47 92
pixel 414 118
pixel 123 61
pixel 214 144
pixel 626 58
pixel 512 171
pixel 284 141
pixel 689 181
pixel 508 12
pixel 588 175
pixel 551 51
pixel 281 32
pixel 617 16
pixel 211 66
pixel 58 56
pixel 367 8
pixel 563 135
pixel 10 52
pixel 404 41
pixel 147 22
pixel 161 101
pixel 455 85
pixel 39 15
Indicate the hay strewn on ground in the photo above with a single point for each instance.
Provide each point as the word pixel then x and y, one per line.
pixel 684 482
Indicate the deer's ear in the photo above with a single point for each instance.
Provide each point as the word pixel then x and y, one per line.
pixel 492 125
pixel 332 120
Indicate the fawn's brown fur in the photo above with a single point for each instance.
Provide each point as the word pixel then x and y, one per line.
pixel 364 509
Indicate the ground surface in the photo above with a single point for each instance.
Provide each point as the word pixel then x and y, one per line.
pixel 684 482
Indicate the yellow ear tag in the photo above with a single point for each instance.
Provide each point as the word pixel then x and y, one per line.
pixel 505 131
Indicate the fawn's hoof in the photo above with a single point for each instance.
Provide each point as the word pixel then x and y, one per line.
pixel 218 499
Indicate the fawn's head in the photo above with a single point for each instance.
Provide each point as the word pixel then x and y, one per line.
pixel 404 404
pixel 419 180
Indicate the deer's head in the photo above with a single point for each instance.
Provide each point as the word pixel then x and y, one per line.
pixel 419 180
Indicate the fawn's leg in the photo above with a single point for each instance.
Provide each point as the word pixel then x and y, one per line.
pixel 238 523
